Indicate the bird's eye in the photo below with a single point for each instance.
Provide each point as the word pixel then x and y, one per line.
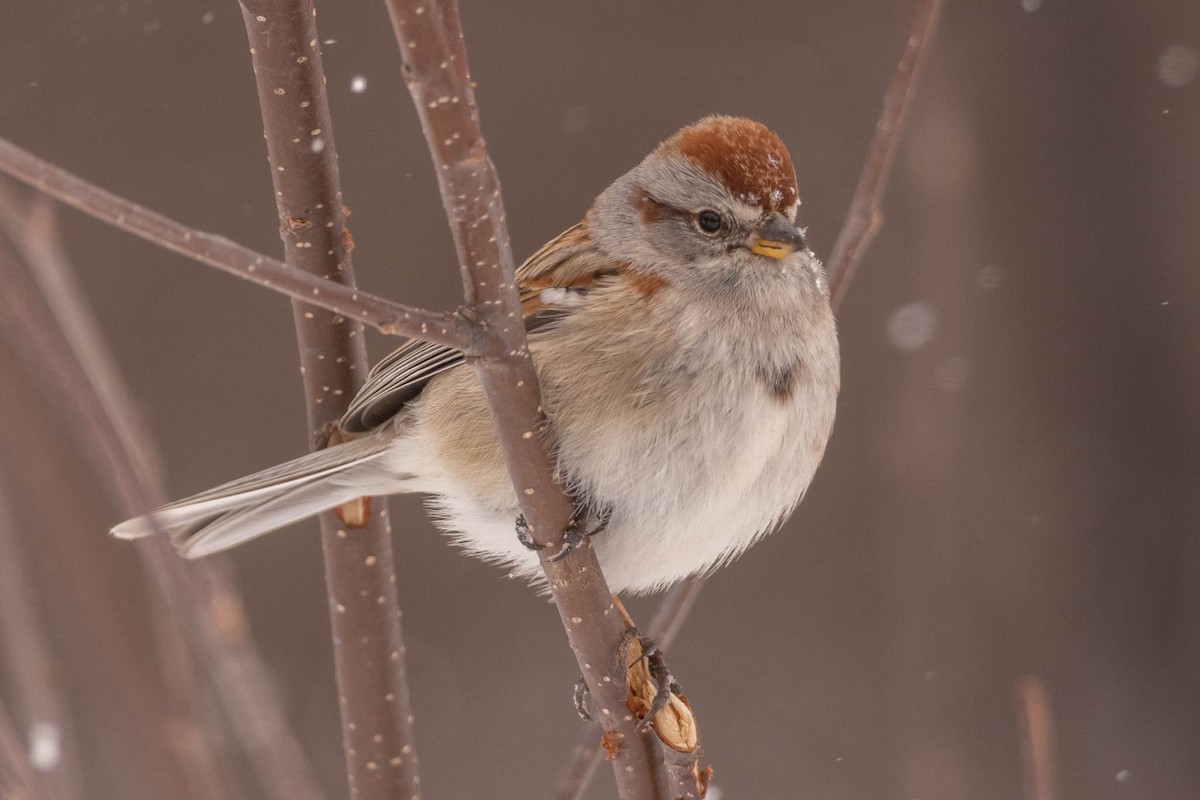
pixel 709 221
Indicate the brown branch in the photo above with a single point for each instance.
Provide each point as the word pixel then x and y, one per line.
pixel 865 216
pixel 217 251
pixel 18 781
pixel 436 71
pixel 685 778
pixel 663 628
pixel 85 379
pixel 863 221
pixel 377 731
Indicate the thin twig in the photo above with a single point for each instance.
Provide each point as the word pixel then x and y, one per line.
pixel 1037 739
pixel 436 71
pixel 862 222
pixel 865 216
pixel 377 729
pixel 217 251
pixel 201 595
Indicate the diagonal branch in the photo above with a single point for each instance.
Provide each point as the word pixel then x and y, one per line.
pixel 377 729
pixel 217 251
pixel 435 69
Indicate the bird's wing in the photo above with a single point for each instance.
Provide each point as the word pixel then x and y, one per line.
pixel 552 282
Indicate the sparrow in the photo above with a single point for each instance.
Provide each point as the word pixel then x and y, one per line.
pixel 689 370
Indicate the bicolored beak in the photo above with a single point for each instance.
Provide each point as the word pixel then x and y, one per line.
pixel 775 237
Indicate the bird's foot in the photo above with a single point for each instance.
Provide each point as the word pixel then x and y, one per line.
pixel 573 535
pixel 660 677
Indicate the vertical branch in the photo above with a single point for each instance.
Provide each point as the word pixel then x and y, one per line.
pixel 437 74
pixel 377 732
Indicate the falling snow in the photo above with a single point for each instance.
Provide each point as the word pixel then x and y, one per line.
pixel 911 326
pixel 1178 65
pixel 45 746
pixel 358 84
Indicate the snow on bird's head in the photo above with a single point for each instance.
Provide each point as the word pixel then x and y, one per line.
pixel 746 156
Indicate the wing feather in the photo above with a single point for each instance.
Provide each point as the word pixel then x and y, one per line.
pixel 569 263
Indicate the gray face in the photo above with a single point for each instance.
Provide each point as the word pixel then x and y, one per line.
pixel 669 216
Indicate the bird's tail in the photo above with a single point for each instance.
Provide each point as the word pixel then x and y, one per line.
pixel 260 503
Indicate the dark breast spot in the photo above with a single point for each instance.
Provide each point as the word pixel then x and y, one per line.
pixel 780 380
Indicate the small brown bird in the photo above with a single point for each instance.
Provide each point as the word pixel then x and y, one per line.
pixel 689 369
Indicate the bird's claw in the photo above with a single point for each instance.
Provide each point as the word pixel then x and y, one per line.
pixel 660 675
pixel 573 535
pixel 524 536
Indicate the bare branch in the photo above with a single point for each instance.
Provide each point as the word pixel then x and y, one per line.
pixel 686 780
pixel 587 754
pixel 377 731
pixel 436 71
pixel 217 251
pixel 865 216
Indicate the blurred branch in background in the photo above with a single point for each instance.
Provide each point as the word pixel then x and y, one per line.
pixel 368 647
pixel 55 336
pixel 154 713
pixel 1037 739
pixel 40 699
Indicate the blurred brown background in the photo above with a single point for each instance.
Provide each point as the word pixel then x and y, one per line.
pixel 1012 487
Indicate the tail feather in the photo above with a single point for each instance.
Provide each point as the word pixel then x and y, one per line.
pixel 257 504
